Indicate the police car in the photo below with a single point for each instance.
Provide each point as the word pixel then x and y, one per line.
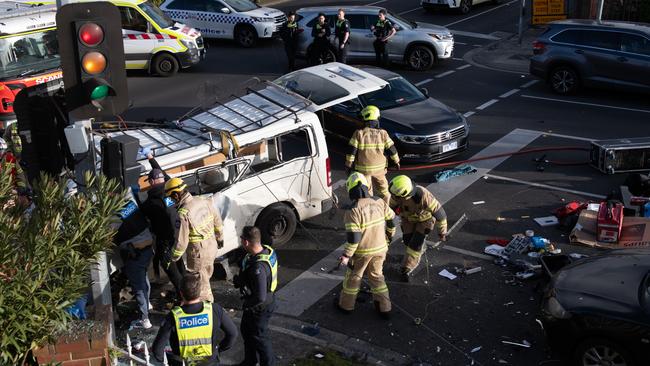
pixel 241 20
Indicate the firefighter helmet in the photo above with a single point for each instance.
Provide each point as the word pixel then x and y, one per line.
pixel 174 185
pixel 370 113
pixel 354 179
pixel 401 186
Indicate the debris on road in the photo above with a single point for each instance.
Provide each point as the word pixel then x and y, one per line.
pixel 524 344
pixel 577 256
pixel 445 175
pixel 445 273
pixel 478 202
pixel 475 349
pixel 546 221
pixel 319 355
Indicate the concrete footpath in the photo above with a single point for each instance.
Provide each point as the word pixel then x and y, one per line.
pixel 506 54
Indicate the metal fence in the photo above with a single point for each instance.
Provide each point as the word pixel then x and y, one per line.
pixel 132 360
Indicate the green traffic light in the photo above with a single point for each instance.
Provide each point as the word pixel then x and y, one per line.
pixel 99 92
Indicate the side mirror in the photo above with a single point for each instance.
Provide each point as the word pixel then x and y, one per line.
pixel 225 10
pixel 425 91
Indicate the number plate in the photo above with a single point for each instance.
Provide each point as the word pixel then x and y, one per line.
pixel 450 146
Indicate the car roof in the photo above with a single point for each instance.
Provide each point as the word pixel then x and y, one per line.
pixel 356 81
pixel 379 72
pixel 643 27
pixel 324 9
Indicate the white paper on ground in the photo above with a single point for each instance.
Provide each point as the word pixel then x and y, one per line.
pixel 447 274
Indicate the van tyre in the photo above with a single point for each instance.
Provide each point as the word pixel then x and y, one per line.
pixel 246 36
pixel 420 58
pixel 165 65
pixel 564 80
pixel 277 223
pixel 598 351
pixel 465 6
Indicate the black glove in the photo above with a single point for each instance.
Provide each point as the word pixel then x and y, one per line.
pixel 219 244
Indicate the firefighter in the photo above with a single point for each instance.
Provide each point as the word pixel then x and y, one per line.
pixel 342 33
pixel 290 33
pixel 9 161
pixel 199 232
pixel 321 33
pixel 370 228
pixel 257 281
pixel 13 140
pixel 383 31
pixel 419 211
pixel 197 331
pixel 369 147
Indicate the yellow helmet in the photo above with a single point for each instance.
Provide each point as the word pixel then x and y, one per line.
pixel 370 113
pixel 174 185
pixel 401 186
pixel 354 179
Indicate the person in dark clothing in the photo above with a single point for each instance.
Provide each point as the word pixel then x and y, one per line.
pixel 257 281
pixel 188 326
pixel 289 33
pixel 161 213
pixel 383 31
pixel 342 33
pixel 321 33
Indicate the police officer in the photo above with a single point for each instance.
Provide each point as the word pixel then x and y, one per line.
pixel 370 228
pixel 161 213
pixel 257 280
pixel 342 33
pixel 289 33
pixel 419 211
pixel 196 330
pixel 200 233
pixel 368 149
pixel 321 33
pixel 383 31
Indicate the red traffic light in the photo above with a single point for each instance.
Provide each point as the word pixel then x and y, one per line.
pixel 91 34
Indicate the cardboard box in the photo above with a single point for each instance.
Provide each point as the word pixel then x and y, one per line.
pixel 635 232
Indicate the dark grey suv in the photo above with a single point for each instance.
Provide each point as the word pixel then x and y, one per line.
pixel 574 53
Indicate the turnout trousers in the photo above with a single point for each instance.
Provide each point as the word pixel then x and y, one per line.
pixel 379 181
pixel 373 267
pixel 200 259
pixel 414 234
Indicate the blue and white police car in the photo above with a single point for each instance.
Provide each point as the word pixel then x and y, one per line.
pixel 241 20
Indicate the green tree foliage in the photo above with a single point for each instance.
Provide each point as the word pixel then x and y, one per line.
pixel 46 256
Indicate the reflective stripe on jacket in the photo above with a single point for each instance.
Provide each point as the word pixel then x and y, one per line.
pixel 367 223
pixel 271 259
pixel 194 332
pixel 198 222
pixel 368 149
pixel 421 207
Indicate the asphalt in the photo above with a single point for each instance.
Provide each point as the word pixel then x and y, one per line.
pixel 486 80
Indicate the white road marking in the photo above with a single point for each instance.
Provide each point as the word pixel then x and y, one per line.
pixel 376 2
pixel 457 58
pixel 410 11
pixel 507 94
pixel 445 74
pixel 463 67
pixel 571 137
pixel 479 14
pixel 470 113
pixel 474 35
pixel 423 82
pixel 546 186
pixel 467 252
pixel 460 43
pixel 310 286
pixel 588 104
pixel 530 83
pixel 486 104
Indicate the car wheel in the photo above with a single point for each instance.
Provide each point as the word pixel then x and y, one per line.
pixel 465 6
pixel 277 223
pixel 245 36
pixel 564 80
pixel 601 352
pixel 420 58
pixel 165 65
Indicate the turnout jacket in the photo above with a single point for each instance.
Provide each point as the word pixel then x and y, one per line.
pixel 368 149
pixel 368 224
pixel 421 207
pixel 198 222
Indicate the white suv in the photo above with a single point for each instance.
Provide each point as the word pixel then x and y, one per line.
pixel 241 20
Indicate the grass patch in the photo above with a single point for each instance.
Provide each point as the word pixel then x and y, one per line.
pixel 331 359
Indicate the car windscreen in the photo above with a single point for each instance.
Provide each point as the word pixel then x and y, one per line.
pixel 156 15
pixel 241 5
pixel 313 87
pixel 28 54
pixel 398 92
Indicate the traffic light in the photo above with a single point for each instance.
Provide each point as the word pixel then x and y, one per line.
pixel 92 58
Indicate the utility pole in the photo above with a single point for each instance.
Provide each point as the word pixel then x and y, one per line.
pixel 522 13
pixel 601 5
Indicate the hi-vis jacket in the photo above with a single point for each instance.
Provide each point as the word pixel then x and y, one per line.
pixel 194 332
pixel 368 223
pixel 368 150
pixel 421 207
pixel 198 222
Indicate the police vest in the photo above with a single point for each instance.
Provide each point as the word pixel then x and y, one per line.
pixel 271 259
pixel 194 332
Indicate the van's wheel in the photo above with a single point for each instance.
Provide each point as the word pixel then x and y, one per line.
pixel 465 6
pixel 246 36
pixel 597 351
pixel 165 65
pixel 277 223
pixel 420 58
pixel 564 80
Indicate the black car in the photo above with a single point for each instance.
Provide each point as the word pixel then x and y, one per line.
pixel 574 53
pixel 422 128
pixel 597 309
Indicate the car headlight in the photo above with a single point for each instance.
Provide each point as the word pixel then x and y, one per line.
pixel 262 19
pixel 188 44
pixel 442 36
pixel 410 139
pixel 555 309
